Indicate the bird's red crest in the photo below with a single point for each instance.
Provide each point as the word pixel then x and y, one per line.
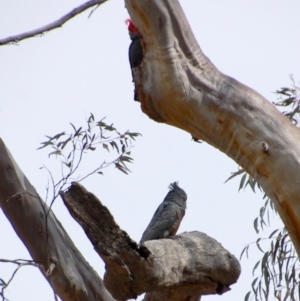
pixel 131 26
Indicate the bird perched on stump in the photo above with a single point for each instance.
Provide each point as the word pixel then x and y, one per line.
pixel 168 216
pixel 135 49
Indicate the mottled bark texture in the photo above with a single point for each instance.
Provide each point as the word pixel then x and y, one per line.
pixel 179 268
pixel 178 85
pixel 61 263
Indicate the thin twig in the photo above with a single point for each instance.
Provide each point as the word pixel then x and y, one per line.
pixel 56 24
pixel 20 265
pixel 18 261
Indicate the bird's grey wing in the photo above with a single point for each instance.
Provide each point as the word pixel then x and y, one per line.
pixel 162 221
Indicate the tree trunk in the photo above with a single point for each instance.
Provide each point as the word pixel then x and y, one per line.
pixel 61 263
pixel 178 85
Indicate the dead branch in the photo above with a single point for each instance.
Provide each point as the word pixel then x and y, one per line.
pixel 189 265
pixel 56 24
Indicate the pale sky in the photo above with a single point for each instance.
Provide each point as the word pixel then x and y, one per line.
pixel 49 81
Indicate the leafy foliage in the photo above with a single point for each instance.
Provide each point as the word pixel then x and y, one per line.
pixel 71 148
pixel 277 270
pixel 290 98
pixel 245 180
pixel 277 273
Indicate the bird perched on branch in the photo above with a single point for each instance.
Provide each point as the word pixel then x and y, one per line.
pixel 168 216
pixel 135 49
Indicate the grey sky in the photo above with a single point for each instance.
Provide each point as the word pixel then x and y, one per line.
pixel 47 82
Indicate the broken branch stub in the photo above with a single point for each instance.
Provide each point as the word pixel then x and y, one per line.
pixel 190 264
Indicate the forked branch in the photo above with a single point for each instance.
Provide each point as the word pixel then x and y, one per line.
pixel 182 268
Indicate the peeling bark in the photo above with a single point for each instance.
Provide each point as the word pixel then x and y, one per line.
pixel 60 262
pixel 178 85
pixel 179 268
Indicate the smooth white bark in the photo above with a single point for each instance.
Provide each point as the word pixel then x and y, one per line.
pixel 178 85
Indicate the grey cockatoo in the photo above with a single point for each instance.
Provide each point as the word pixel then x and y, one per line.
pixel 167 218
